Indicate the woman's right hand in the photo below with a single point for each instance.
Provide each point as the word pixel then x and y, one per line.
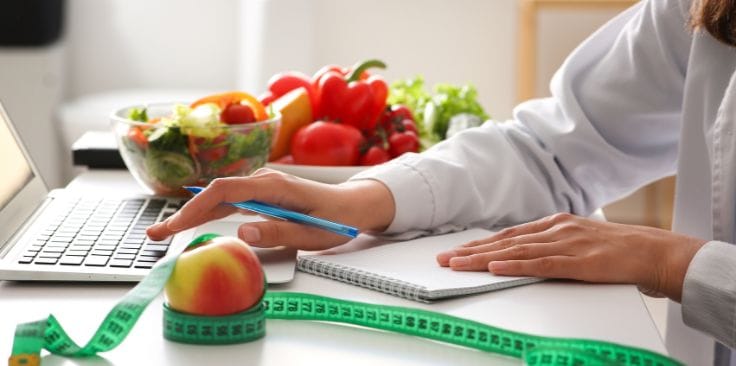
pixel 366 204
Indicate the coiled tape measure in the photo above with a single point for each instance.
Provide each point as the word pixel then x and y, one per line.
pixel 31 338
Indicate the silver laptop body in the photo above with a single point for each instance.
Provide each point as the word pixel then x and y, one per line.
pixel 64 236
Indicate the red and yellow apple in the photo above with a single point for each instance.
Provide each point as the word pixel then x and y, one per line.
pixel 220 276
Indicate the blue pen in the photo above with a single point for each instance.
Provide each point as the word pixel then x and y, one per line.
pixel 293 216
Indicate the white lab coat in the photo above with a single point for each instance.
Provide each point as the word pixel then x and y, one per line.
pixel 641 99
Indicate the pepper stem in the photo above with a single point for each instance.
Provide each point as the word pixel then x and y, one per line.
pixel 362 66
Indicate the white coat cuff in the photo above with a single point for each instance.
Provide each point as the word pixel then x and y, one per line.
pixel 410 187
pixel 709 291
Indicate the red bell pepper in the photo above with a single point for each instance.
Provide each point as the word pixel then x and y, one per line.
pixel 356 99
pixel 284 82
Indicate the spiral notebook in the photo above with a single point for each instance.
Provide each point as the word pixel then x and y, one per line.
pixel 406 269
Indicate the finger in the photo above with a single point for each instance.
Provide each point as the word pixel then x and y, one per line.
pixel 163 229
pixel 268 234
pixel 479 262
pixel 523 229
pixel 444 258
pixel 263 187
pixel 547 267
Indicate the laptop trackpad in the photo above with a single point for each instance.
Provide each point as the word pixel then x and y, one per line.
pixel 278 263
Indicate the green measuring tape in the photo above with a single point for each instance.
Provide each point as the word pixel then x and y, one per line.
pixel 31 338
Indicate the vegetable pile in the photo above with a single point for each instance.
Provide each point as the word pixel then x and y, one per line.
pixel 219 135
pixel 350 116
pixel 340 116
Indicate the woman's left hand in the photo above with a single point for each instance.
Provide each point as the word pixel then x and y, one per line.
pixel 568 246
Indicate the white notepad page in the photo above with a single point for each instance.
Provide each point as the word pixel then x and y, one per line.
pixel 413 262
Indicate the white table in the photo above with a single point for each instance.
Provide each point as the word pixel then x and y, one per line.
pixel 613 313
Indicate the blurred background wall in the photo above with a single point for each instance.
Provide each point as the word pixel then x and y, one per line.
pixel 115 52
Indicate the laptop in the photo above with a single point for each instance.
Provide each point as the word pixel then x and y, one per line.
pixel 64 236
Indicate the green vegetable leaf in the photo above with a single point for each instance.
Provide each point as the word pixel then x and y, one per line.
pixel 202 121
pixel 138 114
pixel 433 112
pixel 170 169
pixel 252 144
pixel 168 138
pixel 451 100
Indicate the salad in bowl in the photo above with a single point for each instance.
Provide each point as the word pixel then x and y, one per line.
pixel 169 145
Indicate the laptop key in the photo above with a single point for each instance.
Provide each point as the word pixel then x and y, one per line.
pixel 71 260
pixel 144 258
pixel 105 246
pixel 25 259
pixel 96 260
pixel 49 255
pixel 53 250
pixel 121 263
pixel 144 264
pixel 46 260
pixel 156 248
pixel 102 252
pixel 76 253
pixel 123 256
pixel 127 251
pixel 166 241
pixel 149 253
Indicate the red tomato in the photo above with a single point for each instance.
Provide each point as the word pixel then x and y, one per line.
pixel 136 135
pixel 400 112
pixel 237 113
pixel 409 125
pixel 236 97
pixel 327 143
pixel 374 156
pixel 393 119
pixel 401 142
pixel 212 154
pixel 238 166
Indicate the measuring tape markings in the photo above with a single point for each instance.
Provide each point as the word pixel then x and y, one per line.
pixel 31 338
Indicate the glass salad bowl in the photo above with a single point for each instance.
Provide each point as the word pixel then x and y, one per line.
pixel 179 145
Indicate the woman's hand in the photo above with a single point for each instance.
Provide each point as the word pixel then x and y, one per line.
pixel 567 246
pixel 347 203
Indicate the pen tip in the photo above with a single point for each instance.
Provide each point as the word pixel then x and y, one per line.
pixel 193 189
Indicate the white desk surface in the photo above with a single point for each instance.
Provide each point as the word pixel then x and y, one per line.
pixel 613 313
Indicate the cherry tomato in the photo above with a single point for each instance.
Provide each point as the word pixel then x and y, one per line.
pixel 225 99
pixel 393 119
pixel 327 143
pixel 400 112
pixel 401 142
pixel 374 156
pixel 409 125
pixel 237 113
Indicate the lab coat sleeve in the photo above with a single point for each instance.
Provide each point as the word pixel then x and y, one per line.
pixel 709 292
pixel 611 125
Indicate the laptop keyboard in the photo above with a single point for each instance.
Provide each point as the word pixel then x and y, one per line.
pixel 102 233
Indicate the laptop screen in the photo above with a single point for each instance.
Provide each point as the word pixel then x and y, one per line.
pixel 16 169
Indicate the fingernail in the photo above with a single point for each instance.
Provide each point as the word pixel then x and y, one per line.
pixel 497 266
pixel 445 256
pixel 459 261
pixel 250 234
